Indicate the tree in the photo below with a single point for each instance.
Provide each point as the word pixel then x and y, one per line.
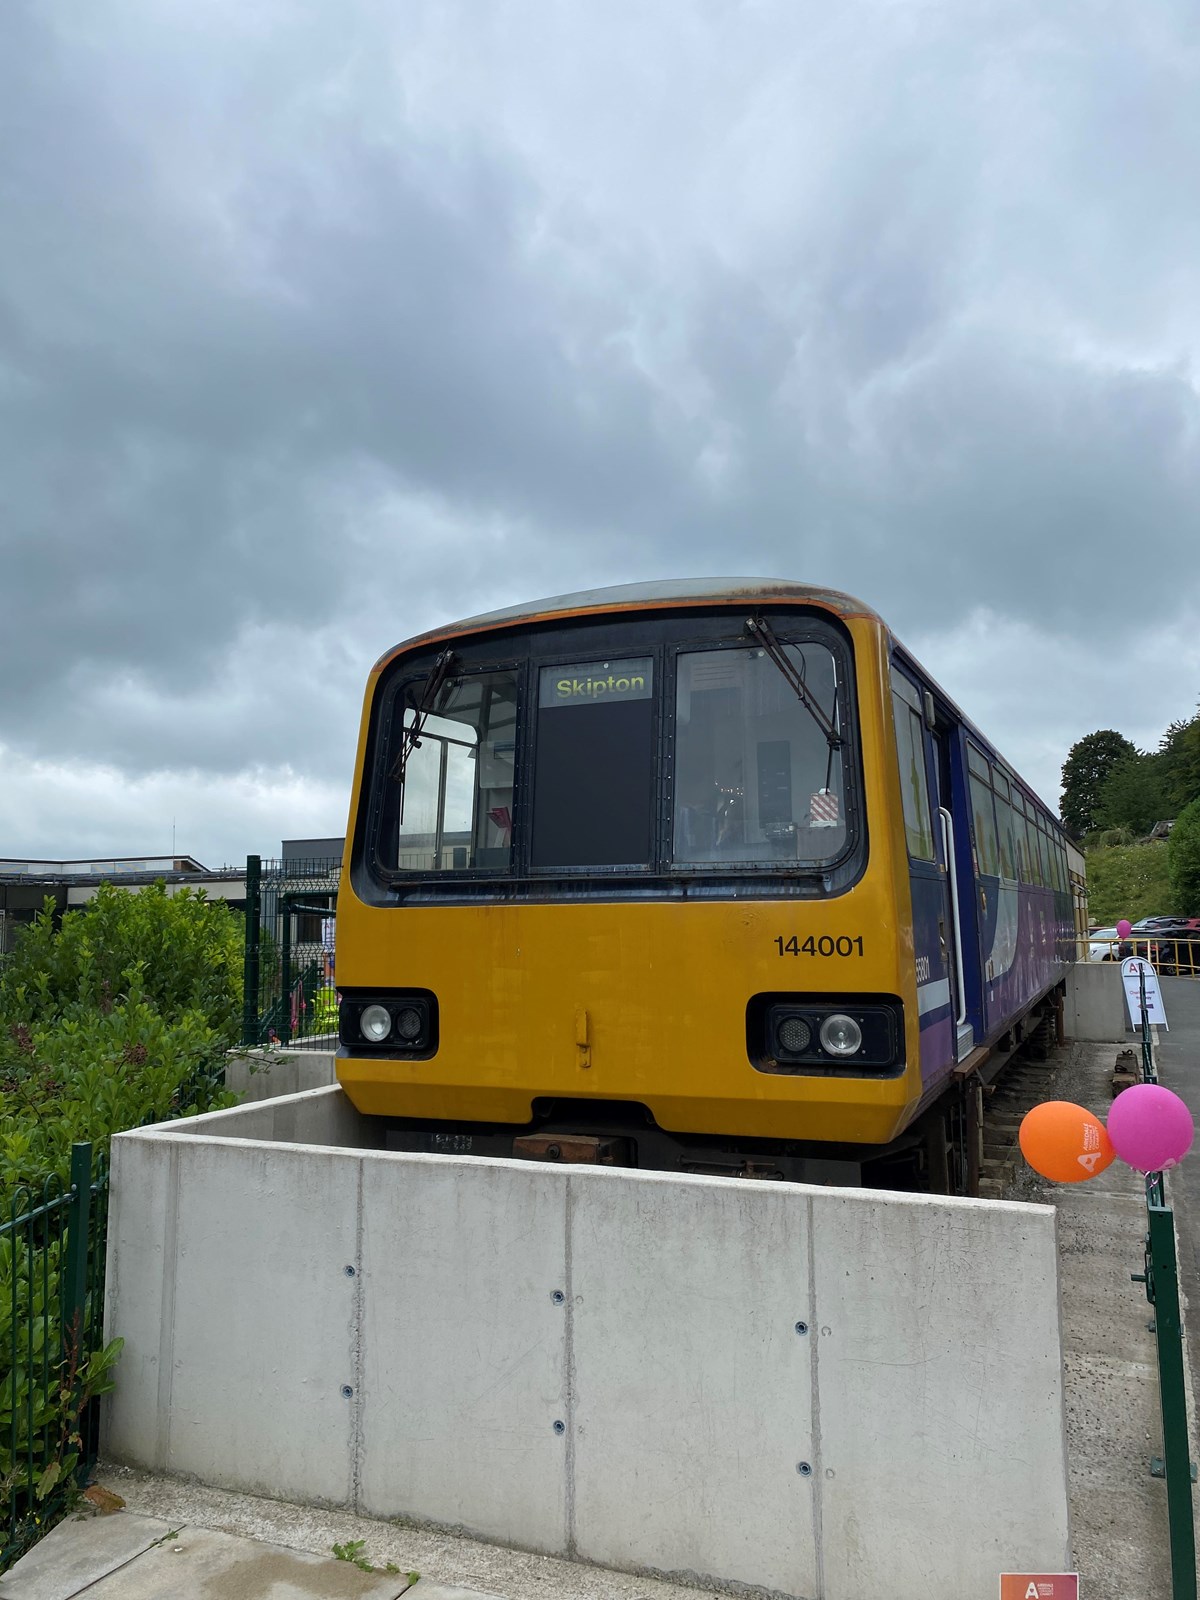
pixel 1132 795
pixel 1089 762
pixel 1183 860
pixel 1179 754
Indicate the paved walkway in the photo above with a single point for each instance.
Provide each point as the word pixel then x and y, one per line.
pixel 184 1541
pixel 124 1556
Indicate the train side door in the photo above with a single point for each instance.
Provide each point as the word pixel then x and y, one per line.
pixel 935 941
pixel 957 862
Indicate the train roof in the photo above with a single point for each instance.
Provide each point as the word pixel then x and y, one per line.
pixel 664 592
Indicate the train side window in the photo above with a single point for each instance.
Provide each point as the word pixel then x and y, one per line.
pixel 1005 827
pixel 914 781
pixel 984 817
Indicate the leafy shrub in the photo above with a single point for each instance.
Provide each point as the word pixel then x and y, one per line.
pixel 122 1015
pixel 1128 881
pixel 88 1074
pixel 184 950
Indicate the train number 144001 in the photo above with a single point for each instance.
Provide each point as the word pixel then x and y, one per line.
pixel 826 945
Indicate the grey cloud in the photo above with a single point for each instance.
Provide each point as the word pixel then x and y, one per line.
pixel 314 328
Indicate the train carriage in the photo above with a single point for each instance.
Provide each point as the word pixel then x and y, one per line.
pixel 703 876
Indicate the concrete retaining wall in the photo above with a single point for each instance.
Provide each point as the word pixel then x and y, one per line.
pixel 818 1392
pixel 259 1076
pixel 1095 1006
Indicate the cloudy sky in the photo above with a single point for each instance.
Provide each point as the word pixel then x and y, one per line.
pixel 324 320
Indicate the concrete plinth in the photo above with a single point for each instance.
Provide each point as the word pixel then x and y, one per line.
pixel 1095 1006
pixel 819 1392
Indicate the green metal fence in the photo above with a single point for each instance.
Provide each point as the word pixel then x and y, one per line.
pixel 1161 1277
pixel 52 1254
pixel 291 921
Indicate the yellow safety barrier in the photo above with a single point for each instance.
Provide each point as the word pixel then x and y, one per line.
pixel 1173 955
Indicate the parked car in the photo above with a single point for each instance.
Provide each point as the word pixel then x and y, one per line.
pixel 1103 944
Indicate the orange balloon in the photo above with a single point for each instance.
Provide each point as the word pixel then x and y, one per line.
pixel 1065 1142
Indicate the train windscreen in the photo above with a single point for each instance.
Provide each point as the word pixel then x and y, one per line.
pixel 686 752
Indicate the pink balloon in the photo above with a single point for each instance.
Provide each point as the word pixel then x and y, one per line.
pixel 1124 929
pixel 1151 1129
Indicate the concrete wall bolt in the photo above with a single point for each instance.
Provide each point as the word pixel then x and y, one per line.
pixel 560 1427
pixel 802 1327
pixel 804 1469
pixel 558 1297
pixel 349 1271
pixel 347 1391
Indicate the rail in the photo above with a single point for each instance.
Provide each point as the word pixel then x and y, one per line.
pixel 1161 1277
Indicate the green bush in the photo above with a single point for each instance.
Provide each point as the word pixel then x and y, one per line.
pixel 1183 851
pixel 122 1015
pixel 90 1073
pixel 1129 881
pixel 184 950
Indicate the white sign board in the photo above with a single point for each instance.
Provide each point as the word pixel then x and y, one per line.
pixel 1131 972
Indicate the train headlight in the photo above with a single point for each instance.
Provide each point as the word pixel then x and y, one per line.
pixel 376 1023
pixel 395 1022
pixel 826 1035
pixel 841 1035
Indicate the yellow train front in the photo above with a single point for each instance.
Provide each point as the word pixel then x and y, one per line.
pixel 668 876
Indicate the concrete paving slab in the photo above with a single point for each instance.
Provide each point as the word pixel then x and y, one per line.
pixel 199 1564
pixel 442 1557
pixel 439 1591
pixel 79 1552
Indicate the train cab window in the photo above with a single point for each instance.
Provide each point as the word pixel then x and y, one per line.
pixel 450 794
pixel 914 780
pixel 758 776
pixel 594 765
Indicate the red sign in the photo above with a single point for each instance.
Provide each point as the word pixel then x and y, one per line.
pixel 1039 1586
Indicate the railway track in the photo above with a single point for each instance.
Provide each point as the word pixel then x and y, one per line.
pixel 1025 1081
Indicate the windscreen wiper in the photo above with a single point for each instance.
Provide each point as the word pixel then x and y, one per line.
pixel 411 738
pixel 794 676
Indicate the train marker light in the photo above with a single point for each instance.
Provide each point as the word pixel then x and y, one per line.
pixel 408 1023
pixel 794 1035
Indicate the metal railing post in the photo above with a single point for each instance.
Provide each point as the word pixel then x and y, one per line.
pixel 285 970
pixel 250 966
pixel 1161 1278
pixel 74 1288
